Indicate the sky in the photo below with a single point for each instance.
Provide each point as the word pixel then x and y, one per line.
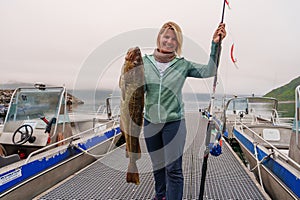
pixel 81 43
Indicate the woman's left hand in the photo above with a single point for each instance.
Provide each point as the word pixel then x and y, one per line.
pixel 219 32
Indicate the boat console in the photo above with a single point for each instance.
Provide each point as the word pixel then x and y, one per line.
pixel 35 117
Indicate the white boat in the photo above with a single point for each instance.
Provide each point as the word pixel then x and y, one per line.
pixel 250 110
pixel 41 144
pixel 270 146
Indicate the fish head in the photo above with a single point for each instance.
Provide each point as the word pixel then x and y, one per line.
pixel 133 58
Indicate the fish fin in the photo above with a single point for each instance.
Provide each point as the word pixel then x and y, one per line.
pixel 126 152
pixel 122 86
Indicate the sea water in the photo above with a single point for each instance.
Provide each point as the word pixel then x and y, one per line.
pixel 93 99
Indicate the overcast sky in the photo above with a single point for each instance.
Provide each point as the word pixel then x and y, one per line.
pixel 63 41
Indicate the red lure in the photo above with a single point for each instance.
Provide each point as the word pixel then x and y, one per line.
pixel 227 3
pixel 234 60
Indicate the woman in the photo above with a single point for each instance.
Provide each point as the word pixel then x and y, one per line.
pixel 164 124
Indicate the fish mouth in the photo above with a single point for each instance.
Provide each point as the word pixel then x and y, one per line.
pixel 133 55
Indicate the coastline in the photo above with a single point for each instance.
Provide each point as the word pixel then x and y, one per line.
pixel 5 96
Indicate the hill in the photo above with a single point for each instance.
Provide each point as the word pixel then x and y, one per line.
pixel 285 92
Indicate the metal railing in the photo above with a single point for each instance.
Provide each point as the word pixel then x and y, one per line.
pixel 66 139
pixel 285 157
pixel 297 112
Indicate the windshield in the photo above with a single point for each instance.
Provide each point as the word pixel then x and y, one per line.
pixel 263 107
pixel 237 105
pixel 28 104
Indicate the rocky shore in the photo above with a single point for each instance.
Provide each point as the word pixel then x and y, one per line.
pixel 5 96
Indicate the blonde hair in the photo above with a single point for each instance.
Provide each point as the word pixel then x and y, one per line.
pixel 178 33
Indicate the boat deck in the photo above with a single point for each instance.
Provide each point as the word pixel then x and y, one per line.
pixel 226 177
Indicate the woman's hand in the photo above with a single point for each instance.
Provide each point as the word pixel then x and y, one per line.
pixel 219 32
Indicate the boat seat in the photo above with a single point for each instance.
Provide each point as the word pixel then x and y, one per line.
pixel 6 160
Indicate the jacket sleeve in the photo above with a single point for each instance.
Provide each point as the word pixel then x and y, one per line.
pixel 205 71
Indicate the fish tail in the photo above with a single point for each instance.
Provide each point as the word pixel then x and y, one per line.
pixel 132 175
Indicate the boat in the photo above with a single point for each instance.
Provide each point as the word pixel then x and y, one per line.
pixel 249 110
pixel 269 144
pixel 42 143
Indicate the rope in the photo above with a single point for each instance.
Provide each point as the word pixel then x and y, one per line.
pixel 98 155
pixel 258 167
pixel 262 160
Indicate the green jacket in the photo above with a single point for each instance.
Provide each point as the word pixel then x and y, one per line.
pixel 163 101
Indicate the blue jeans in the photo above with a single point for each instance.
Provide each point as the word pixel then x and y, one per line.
pixel 165 144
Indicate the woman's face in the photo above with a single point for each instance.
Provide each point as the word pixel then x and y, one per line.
pixel 168 42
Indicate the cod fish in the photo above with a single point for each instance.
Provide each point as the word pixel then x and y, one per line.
pixel 131 83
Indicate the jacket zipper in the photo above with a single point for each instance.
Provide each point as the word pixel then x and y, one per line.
pixel 160 84
pixel 159 96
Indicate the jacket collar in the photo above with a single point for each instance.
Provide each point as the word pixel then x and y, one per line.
pixel 151 58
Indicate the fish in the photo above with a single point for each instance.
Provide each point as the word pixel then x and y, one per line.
pixel 131 83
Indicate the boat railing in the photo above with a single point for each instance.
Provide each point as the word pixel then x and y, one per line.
pixel 67 139
pixel 282 155
pixel 297 113
pixel 281 120
pixel 275 117
pixel 286 121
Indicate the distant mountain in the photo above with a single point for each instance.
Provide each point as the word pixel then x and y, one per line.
pixel 285 92
pixel 13 85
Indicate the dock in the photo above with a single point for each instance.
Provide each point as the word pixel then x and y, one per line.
pixel 227 177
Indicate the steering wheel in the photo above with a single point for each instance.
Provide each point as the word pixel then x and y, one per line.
pixel 26 134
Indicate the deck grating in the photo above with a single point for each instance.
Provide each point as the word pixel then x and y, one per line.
pixel 105 179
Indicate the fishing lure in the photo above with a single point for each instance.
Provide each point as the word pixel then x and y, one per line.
pixel 234 60
pixel 227 3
